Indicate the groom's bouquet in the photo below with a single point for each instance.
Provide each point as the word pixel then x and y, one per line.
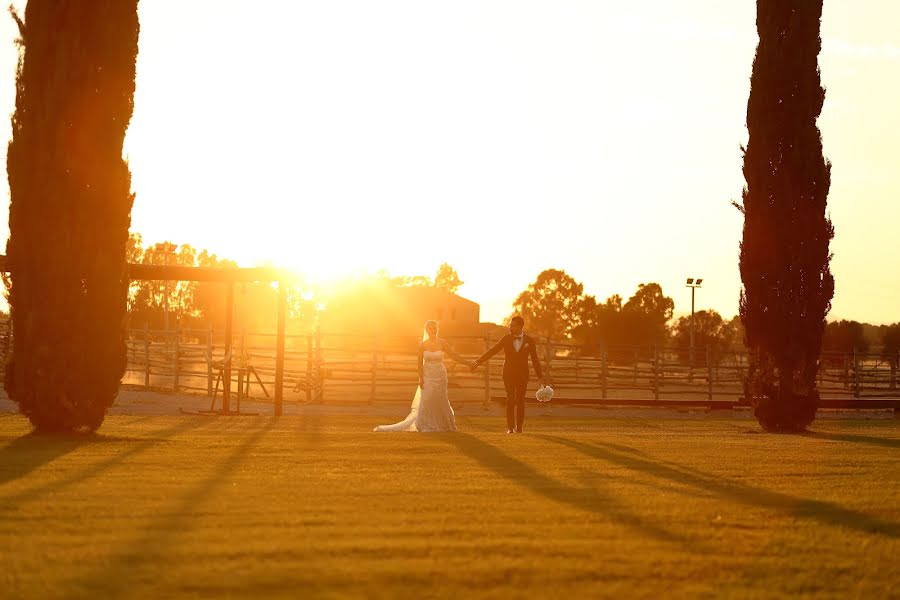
pixel 544 394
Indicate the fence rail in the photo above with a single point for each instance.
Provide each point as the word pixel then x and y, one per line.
pixel 340 368
pixel 348 369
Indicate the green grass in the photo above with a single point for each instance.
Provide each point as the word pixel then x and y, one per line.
pixel 576 508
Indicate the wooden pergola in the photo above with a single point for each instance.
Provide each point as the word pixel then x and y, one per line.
pixel 229 277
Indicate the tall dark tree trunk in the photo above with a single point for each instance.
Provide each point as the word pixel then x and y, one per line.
pixel 70 209
pixel 785 258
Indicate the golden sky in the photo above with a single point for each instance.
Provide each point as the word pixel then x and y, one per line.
pixel 503 137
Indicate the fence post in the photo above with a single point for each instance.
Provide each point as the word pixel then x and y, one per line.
pixel 229 348
pixel 487 374
pixel 320 376
pixel 549 353
pixel 7 338
pixel 894 382
pixel 374 371
pixel 691 366
pixel 635 370
pixel 655 373
pixel 146 355
pixel 281 325
pixel 820 372
pixel 309 365
pixel 894 363
pixel 240 362
pixel 209 354
pixel 855 374
pixel 709 374
pixel 846 370
pixel 604 370
pixel 177 348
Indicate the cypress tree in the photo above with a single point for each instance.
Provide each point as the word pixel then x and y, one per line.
pixel 70 209
pixel 784 259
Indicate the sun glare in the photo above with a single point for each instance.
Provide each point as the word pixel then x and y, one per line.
pixel 441 299
pixel 296 148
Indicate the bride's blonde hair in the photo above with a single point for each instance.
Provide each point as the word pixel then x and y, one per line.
pixel 427 323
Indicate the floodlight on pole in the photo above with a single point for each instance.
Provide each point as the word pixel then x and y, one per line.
pixel 692 283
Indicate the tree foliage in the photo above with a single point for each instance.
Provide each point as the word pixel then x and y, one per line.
pixel 447 278
pixel 70 209
pixel 712 336
pixel 647 314
pixel 148 300
pixel 733 332
pixel 890 343
pixel 551 305
pixel 785 257
pixel 412 281
pixel 845 337
pixel 202 305
pixel 602 325
pixel 209 297
pixel 641 322
pixel 555 306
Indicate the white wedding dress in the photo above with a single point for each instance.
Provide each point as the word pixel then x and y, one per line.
pixel 431 410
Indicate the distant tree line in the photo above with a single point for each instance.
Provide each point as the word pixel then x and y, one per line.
pixel 852 336
pixel 175 305
pixel 200 305
pixel 446 278
pixel 556 307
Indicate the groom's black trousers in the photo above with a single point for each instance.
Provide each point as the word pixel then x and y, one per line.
pixel 515 401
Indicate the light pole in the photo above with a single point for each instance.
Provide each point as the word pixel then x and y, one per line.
pixel 693 284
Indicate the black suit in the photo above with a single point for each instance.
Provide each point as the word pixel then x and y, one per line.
pixel 515 374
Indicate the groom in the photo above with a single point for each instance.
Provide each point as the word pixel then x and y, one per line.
pixel 518 347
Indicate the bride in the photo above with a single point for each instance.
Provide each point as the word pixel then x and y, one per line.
pixel 431 410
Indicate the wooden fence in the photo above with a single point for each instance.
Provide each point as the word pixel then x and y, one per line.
pixel 345 369
pixel 354 369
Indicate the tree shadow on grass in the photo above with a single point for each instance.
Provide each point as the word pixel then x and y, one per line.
pixel 33 450
pixel 583 498
pixel 470 425
pixel 824 512
pixel 124 569
pixel 854 438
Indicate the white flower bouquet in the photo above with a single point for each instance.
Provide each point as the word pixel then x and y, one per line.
pixel 544 394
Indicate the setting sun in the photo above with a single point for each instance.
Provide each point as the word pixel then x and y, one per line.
pixel 471 299
pixel 344 139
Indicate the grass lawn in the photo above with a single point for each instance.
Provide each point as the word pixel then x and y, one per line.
pixel 575 508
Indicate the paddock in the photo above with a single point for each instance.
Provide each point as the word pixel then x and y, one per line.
pixel 314 504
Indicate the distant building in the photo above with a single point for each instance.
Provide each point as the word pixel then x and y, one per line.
pixel 400 312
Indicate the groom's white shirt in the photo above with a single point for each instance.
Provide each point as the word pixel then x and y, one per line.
pixel 517 343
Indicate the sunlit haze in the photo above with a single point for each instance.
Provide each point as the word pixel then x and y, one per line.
pixel 502 137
